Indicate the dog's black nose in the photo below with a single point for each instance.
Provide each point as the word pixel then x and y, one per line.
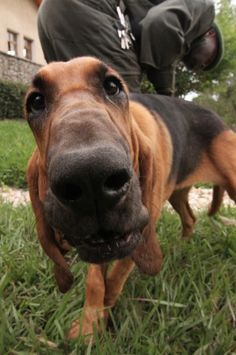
pixel 99 175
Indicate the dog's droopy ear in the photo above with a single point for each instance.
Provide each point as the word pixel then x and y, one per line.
pixel 63 277
pixel 148 256
pixel 45 233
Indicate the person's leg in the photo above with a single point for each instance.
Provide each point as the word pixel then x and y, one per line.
pixel 162 44
pixel 163 80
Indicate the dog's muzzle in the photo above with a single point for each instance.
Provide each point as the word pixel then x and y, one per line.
pixel 94 200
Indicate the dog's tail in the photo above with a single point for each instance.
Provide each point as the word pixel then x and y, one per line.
pixel 217 198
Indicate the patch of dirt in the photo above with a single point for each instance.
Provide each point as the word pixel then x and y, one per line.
pixel 14 196
pixel 199 198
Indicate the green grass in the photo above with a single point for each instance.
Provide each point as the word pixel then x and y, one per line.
pixel 190 307
pixel 16 146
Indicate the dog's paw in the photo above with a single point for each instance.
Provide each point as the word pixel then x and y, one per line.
pixel 77 329
pixel 93 322
pixel 74 331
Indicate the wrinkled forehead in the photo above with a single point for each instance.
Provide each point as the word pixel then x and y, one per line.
pixel 79 73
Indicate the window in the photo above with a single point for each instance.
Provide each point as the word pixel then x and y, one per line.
pixel 12 43
pixel 27 51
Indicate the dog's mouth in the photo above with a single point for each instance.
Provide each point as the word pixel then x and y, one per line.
pixel 99 248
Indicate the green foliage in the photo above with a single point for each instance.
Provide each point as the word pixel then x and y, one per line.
pixel 223 103
pixel 215 79
pixel 11 99
pixel 16 146
pixel 146 86
pixel 189 308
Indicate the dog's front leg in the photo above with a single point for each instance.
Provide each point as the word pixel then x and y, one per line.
pixel 115 281
pixel 93 312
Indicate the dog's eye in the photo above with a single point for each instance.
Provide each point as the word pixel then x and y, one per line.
pixel 35 103
pixel 112 86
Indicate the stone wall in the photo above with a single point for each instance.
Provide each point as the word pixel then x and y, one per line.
pixel 17 69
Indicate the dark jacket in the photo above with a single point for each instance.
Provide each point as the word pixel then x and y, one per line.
pixel 164 31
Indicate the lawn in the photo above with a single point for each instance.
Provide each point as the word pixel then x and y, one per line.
pixel 16 146
pixel 189 308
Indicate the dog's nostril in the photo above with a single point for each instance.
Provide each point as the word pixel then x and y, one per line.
pixel 117 181
pixel 68 192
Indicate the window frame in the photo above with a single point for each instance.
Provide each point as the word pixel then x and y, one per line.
pixel 12 43
pixel 28 48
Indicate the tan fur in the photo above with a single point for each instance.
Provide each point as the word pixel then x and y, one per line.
pixel 152 153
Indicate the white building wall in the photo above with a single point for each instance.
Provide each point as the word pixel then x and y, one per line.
pixel 20 16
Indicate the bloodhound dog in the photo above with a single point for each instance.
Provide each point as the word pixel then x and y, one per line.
pixel 105 163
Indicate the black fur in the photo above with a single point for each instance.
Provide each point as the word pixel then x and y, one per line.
pixel 192 129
